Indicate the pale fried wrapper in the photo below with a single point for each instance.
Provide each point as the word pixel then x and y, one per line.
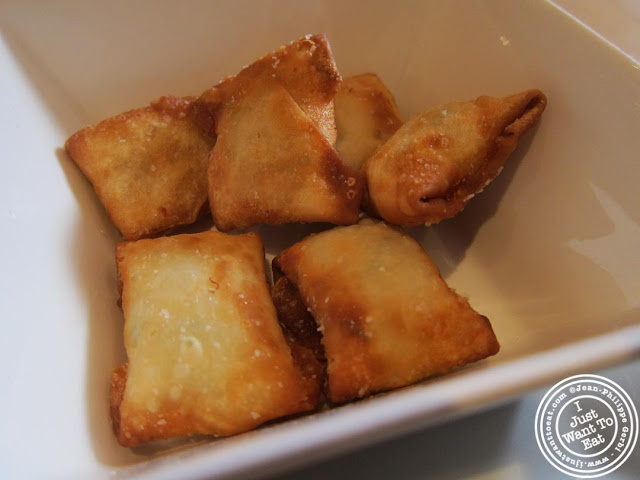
pixel 305 68
pixel 206 354
pixel 387 317
pixel 271 165
pixel 436 162
pixel 147 166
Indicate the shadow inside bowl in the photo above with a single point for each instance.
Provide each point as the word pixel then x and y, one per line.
pixel 447 241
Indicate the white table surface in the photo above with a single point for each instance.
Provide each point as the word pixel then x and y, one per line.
pixel 498 444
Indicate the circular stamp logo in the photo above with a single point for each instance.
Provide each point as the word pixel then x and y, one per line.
pixel 586 426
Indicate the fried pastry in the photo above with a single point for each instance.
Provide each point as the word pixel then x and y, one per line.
pixel 271 165
pixel 148 166
pixel 205 352
pixel 366 116
pixel 430 168
pixel 301 333
pixel 386 316
pixel 305 68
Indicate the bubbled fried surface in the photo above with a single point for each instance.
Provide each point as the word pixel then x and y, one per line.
pixel 271 165
pixel 387 317
pixel 205 352
pixel 437 161
pixel 147 166
pixel 305 68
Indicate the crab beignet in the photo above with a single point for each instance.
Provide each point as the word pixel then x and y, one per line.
pixel 387 317
pixel 305 68
pixel 148 166
pixel 437 161
pixel 271 165
pixel 366 116
pixel 206 354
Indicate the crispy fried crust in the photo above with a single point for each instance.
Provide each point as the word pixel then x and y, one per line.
pixel 148 166
pixel 295 318
pixel 271 165
pixel 206 353
pixel 301 333
pixel 441 158
pixel 305 68
pixel 387 317
pixel 116 393
pixel 366 116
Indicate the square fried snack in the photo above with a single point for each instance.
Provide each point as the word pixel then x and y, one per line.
pixel 387 317
pixel 271 165
pixel 205 352
pixel 148 166
pixel 437 161
pixel 366 116
pixel 305 68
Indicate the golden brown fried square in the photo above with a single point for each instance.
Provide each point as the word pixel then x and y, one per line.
pixel 206 354
pixel 305 68
pixel 387 317
pixel 366 116
pixel 271 165
pixel 437 161
pixel 148 166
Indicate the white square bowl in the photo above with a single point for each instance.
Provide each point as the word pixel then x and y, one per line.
pixel 550 252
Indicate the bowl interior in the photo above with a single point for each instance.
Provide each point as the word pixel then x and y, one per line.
pixel 548 251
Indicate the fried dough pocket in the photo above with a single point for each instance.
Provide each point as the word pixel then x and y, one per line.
pixel 271 165
pixel 366 116
pixel 148 166
pixel 437 161
pixel 205 352
pixel 305 68
pixel 386 317
pixel 274 160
